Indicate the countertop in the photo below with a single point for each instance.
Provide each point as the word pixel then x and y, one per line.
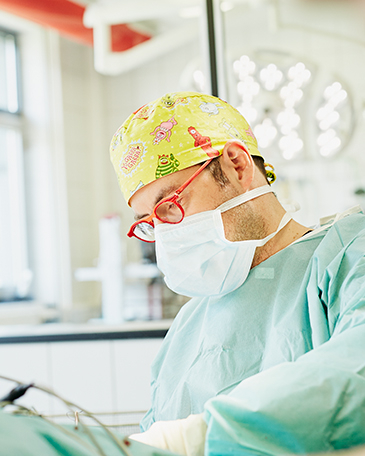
pixel 62 332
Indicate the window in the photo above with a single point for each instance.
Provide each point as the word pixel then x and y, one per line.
pixel 9 98
pixel 15 277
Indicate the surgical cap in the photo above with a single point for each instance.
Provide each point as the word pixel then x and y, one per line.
pixel 174 132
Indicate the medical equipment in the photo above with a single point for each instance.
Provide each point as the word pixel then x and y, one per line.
pixel 109 270
pixel 25 431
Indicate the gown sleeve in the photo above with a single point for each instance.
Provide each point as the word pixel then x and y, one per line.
pixel 316 403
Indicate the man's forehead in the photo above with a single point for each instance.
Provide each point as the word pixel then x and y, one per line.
pixel 148 196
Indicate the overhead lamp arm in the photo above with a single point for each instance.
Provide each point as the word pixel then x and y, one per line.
pixel 101 17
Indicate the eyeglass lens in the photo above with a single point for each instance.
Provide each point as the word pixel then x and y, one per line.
pixel 144 231
pixel 167 212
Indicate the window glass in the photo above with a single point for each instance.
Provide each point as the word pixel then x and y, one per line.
pixel 9 100
pixel 15 277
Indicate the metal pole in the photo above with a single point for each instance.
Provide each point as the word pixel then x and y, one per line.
pixel 212 48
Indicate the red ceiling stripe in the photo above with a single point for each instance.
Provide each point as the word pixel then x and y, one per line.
pixel 66 17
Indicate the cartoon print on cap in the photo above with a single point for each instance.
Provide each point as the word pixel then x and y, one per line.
pixel 163 131
pixel 249 132
pixel 231 130
pixel 170 101
pixel 166 165
pixel 117 139
pixel 191 125
pixel 210 108
pixel 144 112
pixel 204 142
pixel 140 185
pixel 133 157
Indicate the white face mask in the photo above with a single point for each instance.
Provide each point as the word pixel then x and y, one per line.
pixel 198 260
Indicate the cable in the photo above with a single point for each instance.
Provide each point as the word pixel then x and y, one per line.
pixel 21 389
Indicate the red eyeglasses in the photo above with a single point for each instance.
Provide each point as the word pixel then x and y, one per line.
pixel 168 210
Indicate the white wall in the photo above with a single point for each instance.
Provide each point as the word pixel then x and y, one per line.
pixel 85 189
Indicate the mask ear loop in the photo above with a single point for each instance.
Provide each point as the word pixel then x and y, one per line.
pixel 244 197
pixel 290 205
pixel 284 221
pixel 270 174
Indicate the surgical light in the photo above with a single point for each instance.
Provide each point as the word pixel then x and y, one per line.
pixel 299 74
pixel 290 145
pixel 334 119
pixel 265 133
pixel 324 112
pixel 288 120
pixel 329 120
pixel 248 112
pixel 326 137
pixel 337 98
pixel 269 97
pixel 331 90
pixel 271 77
pixel 244 67
pixel 331 147
pixel 291 94
pixel 248 88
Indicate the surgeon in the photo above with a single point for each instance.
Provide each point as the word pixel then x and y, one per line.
pixel 268 357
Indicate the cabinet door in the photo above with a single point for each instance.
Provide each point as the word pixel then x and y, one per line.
pixel 82 373
pixel 132 360
pixel 99 376
pixel 27 363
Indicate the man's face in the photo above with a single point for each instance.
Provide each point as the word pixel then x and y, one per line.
pixel 205 193
pixel 202 194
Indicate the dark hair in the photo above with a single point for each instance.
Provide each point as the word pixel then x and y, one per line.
pixel 215 169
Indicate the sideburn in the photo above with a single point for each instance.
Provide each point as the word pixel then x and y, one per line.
pixel 218 175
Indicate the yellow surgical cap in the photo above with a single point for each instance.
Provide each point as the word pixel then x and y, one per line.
pixel 174 132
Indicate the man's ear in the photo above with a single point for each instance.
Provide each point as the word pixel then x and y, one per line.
pixel 238 165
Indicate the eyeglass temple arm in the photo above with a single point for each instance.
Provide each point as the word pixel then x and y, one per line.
pixel 198 171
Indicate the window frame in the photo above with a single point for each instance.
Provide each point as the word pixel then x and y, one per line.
pixel 12 124
pixel 39 118
pixel 18 112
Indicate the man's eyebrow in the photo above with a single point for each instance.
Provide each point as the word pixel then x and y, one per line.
pixel 163 193
pixel 139 217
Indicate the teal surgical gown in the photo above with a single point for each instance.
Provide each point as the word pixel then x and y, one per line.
pixel 22 435
pixel 278 365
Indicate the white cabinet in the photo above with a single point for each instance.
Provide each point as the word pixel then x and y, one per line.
pixel 27 363
pixel 132 362
pixel 82 373
pixel 100 376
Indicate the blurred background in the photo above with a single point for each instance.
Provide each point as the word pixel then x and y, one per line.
pixel 72 72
